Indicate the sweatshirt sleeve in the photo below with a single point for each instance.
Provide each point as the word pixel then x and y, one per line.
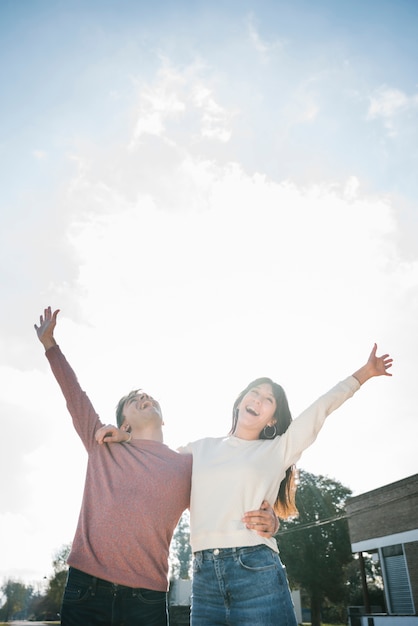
pixel 85 419
pixel 303 431
pixel 187 449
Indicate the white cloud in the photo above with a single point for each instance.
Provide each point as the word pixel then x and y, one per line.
pixel 159 103
pixel 262 47
pixel 178 97
pixel 388 104
pixel 192 274
pixel 269 278
pixel 215 119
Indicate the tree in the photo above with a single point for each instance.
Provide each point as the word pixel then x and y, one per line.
pixel 22 602
pixel 374 581
pixel 18 597
pixel 180 550
pixel 48 606
pixel 56 584
pixel 316 546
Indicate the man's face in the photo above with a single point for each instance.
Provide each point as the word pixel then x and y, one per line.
pixel 140 405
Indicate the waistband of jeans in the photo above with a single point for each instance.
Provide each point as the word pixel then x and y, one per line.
pixel 224 553
pixel 94 582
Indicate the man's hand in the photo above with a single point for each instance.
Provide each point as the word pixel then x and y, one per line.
pixel 111 434
pixel 45 330
pixel 263 521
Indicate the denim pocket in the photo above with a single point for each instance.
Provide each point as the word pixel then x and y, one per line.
pixel 148 596
pixel 76 593
pixel 257 560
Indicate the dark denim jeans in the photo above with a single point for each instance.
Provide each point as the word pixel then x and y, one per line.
pixel 240 587
pixel 90 601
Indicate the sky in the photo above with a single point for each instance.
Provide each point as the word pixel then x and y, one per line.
pixel 209 192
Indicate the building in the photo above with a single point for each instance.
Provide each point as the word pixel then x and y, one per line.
pixel 384 522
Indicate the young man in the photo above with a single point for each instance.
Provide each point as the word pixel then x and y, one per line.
pixel 134 495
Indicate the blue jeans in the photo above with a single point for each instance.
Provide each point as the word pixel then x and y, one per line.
pixel 240 587
pixel 90 601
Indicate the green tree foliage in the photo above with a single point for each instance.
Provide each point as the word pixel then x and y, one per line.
pixel 17 600
pixel 315 546
pixel 59 562
pixel 57 581
pixel 20 601
pixel 180 550
pixel 374 581
pixel 49 605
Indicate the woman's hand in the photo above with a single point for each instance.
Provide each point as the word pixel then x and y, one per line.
pixel 375 366
pixel 263 521
pixel 379 365
pixel 111 434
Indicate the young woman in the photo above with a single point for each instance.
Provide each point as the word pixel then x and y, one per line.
pixel 238 577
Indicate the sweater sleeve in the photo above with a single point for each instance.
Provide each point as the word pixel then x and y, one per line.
pixel 85 419
pixel 303 431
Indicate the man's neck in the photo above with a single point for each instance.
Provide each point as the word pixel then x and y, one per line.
pixel 150 434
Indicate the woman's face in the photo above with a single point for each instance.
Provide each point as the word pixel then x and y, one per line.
pixel 255 411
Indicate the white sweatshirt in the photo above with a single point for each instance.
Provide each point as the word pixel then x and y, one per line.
pixel 232 475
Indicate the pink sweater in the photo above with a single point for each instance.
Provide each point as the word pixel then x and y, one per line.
pixel 134 495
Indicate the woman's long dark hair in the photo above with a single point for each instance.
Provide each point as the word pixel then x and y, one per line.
pixel 284 505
